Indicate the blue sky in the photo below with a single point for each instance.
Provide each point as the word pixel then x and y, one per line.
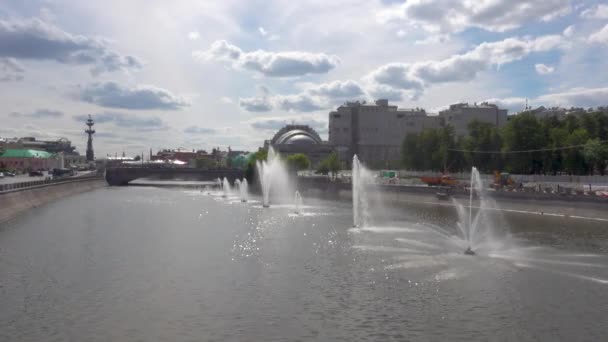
pixel 199 74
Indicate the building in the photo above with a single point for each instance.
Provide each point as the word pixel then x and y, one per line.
pixel 375 132
pixel 28 160
pixel 294 139
pixel 461 114
pixel 181 155
pixel 50 146
pixel 542 112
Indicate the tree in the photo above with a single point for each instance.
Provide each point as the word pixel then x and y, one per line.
pixel 595 153
pixel 484 136
pixel 206 163
pixel 522 133
pixel 261 154
pixel 331 164
pixel 574 160
pixel 410 154
pixel 432 149
pixel 298 161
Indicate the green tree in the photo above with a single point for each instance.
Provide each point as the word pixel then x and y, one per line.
pixel 484 136
pixel 298 162
pixel 574 159
pixel 206 163
pixel 331 164
pixel 411 157
pixel 596 155
pixel 524 132
pixel 250 172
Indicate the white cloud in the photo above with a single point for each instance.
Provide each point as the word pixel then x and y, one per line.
pixel 273 124
pixel 434 39
pixel 512 104
pixel 451 16
pixel 199 130
pixel 576 97
pixel 312 98
pixel 600 36
pixel 337 90
pixel 401 33
pixel 255 104
pixel 270 64
pixel 113 95
pixel 264 33
pixel 35 39
pixel 129 121
pixel 543 69
pixel 599 11
pixel 11 70
pixel 298 103
pixel 194 35
pixel 415 77
pixel 226 100
pixel 569 31
pixel 40 114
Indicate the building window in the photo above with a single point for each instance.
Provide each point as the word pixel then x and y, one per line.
pixel 337 116
pixel 400 116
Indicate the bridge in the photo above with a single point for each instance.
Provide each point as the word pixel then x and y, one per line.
pixel 123 175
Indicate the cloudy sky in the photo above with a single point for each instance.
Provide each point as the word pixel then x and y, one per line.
pixel 197 74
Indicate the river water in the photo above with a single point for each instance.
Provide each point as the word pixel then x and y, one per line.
pixel 165 264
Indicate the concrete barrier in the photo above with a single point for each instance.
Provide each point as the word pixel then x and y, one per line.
pixel 16 202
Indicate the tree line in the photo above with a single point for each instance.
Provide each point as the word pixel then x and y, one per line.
pixel 576 145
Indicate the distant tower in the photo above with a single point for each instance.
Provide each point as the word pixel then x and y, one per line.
pixel 90 131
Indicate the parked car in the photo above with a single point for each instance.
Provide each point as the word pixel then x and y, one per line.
pixel 9 174
pixel 63 172
pixel 36 173
pixel 1 175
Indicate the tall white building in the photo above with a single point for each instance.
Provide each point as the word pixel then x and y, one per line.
pixel 374 132
pixel 461 114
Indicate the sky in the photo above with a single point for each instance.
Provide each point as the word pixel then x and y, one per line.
pixel 200 74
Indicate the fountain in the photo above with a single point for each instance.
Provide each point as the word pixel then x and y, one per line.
pixel 244 190
pixel 226 187
pixel 469 224
pixel 361 178
pixel 273 175
pixel 237 186
pixel 298 201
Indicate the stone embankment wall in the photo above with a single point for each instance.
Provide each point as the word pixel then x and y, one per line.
pixel 15 202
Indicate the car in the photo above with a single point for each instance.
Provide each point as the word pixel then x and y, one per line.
pixel 9 174
pixel 36 173
pixel 1 175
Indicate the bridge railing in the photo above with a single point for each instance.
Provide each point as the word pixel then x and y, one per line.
pixel 29 184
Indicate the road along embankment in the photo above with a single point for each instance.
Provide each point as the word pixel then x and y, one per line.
pixel 18 201
pixel 572 206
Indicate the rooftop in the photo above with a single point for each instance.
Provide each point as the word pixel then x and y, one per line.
pixel 12 153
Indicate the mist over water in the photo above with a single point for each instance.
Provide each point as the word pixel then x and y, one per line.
pixel 273 178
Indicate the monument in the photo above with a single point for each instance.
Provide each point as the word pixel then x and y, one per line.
pixel 90 131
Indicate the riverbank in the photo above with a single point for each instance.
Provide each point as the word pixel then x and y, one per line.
pixel 18 201
pixel 571 206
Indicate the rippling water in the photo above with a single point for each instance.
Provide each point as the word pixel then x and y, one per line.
pixel 152 264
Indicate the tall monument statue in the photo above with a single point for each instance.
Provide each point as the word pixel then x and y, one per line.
pixel 90 131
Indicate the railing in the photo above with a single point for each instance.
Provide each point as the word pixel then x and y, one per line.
pixel 23 185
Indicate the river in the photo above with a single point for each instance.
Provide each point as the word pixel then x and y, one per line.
pixel 168 264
